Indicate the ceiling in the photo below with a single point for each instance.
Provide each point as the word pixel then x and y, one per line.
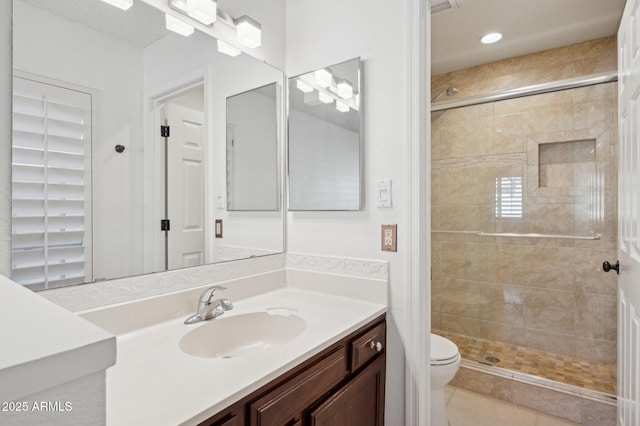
pixel 527 25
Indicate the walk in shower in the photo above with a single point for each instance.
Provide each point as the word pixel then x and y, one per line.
pixel 523 215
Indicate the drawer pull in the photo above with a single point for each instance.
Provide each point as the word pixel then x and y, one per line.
pixel 375 345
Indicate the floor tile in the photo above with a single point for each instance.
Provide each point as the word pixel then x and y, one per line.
pixel 471 409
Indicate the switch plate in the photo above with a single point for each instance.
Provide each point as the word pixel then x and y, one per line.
pixel 218 228
pixel 220 200
pixel 389 238
pixel 384 192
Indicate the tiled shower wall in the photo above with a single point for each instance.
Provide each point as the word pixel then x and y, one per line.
pixel 541 164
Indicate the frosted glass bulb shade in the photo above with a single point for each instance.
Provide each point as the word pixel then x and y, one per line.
pixel 342 107
pixel 304 87
pixel 249 32
pixel 204 11
pixel 491 38
pixel 324 98
pixel 227 49
pixel 345 89
pixel 177 26
pixel 120 4
pixel 323 77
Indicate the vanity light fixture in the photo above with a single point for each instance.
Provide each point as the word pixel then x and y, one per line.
pixel 249 31
pixel 341 106
pixel 325 98
pixel 304 87
pixel 345 89
pixel 120 4
pixel 177 26
pixel 323 77
pixel 227 49
pixel 491 38
pixel 204 11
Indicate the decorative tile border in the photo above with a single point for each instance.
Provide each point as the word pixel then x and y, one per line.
pixel 374 269
pixel 94 295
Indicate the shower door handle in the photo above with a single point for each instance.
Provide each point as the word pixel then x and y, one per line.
pixel 606 266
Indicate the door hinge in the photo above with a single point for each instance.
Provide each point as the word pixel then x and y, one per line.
pixel 164 131
pixel 165 225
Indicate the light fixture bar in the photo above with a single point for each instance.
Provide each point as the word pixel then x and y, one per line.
pixel 249 31
pixel 227 49
pixel 177 26
pixel 325 98
pixel 204 11
pixel 302 86
pixel 120 4
pixel 323 77
pixel 341 106
pixel 345 89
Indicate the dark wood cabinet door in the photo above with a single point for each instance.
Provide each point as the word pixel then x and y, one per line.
pixel 359 403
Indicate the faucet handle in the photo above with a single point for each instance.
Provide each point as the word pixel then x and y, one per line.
pixel 208 294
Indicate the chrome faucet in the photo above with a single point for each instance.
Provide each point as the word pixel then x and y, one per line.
pixel 209 307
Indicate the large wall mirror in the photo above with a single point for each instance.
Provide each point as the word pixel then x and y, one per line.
pixel 95 179
pixel 325 138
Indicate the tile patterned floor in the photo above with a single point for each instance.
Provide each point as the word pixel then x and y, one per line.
pixel 561 368
pixel 466 408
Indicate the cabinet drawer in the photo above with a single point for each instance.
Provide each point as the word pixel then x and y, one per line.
pixel 286 402
pixel 368 345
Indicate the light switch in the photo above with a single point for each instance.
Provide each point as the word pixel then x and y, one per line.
pixel 384 193
pixel 220 200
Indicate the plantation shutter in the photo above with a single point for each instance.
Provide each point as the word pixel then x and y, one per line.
pixel 51 185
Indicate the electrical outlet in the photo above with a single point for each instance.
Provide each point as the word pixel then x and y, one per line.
pixel 218 228
pixel 389 237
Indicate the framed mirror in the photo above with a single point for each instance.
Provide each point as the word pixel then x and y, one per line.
pixel 325 138
pixel 99 191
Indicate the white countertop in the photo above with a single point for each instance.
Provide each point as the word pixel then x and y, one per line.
pixel 40 340
pixel 155 383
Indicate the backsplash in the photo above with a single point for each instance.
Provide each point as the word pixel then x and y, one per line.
pixel 89 296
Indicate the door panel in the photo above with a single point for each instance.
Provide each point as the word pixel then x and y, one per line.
pixel 629 216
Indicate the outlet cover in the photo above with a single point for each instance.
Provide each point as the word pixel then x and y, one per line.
pixel 218 228
pixel 389 238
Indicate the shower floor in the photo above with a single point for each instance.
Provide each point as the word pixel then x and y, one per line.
pixel 560 368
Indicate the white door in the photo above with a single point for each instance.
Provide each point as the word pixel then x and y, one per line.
pixel 629 217
pixel 185 187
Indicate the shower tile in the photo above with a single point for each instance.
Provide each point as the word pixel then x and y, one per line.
pixel 598 47
pixel 532 103
pixel 502 303
pixel 500 82
pixel 557 175
pixel 596 64
pixel 546 74
pixel 452 185
pixel 590 115
pixel 436 320
pixel 590 278
pixel 550 310
pixel 511 261
pixel 451 218
pixel 563 344
pixel 453 259
pixel 484 384
pixel 551 402
pixel 548 267
pixel 509 135
pixel 452 296
pixel 598 414
pixel 452 141
pixel 589 94
pixel 598 351
pixel 481 262
pixel 596 316
pixel 548 120
pixel 562 223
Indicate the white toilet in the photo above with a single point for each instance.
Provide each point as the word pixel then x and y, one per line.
pixel 445 361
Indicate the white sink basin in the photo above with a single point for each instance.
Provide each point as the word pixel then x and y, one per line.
pixel 241 335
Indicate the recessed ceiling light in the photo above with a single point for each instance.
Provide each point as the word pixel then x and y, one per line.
pixel 490 38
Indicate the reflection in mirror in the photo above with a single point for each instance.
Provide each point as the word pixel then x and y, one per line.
pixel 92 177
pixel 325 122
pixel 252 182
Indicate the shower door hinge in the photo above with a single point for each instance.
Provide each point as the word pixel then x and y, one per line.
pixel 165 225
pixel 164 131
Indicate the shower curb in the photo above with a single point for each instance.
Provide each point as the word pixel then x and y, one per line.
pixel 582 406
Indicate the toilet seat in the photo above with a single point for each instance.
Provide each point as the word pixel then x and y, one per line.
pixel 443 351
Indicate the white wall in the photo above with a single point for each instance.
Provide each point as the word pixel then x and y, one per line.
pixel 325 32
pixel 76 54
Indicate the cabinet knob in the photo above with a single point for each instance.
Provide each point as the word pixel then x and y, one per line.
pixel 375 345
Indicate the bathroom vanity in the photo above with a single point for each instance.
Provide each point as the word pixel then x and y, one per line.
pixel 342 385
pixel 297 348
